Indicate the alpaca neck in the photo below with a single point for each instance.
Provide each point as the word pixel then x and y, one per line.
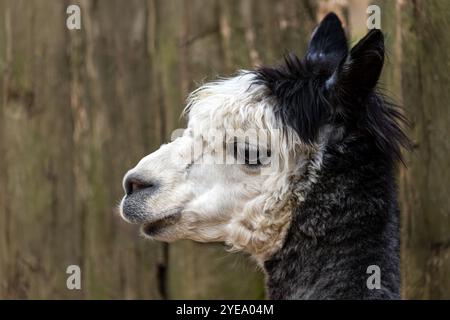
pixel 348 222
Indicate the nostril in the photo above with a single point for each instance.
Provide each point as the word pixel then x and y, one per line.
pixel 134 184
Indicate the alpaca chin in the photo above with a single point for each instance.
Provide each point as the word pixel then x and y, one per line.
pixel 157 229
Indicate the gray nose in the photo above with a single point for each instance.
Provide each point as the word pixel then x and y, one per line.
pixel 134 183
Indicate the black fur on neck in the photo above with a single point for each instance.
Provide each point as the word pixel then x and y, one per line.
pixel 348 222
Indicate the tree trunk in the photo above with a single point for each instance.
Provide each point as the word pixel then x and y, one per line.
pixel 425 83
pixel 72 122
pixel 417 74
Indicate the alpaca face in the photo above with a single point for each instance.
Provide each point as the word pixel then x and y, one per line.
pixel 224 177
pixel 254 145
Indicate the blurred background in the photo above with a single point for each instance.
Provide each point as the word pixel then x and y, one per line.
pixel 80 107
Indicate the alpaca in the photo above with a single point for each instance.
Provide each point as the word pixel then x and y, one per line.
pixel 311 196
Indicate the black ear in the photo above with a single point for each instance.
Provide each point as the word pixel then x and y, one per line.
pixel 357 75
pixel 328 44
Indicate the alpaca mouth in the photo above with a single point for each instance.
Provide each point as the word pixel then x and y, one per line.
pixel 154 227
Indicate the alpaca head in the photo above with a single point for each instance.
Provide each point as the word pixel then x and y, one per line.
pixel 254 144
